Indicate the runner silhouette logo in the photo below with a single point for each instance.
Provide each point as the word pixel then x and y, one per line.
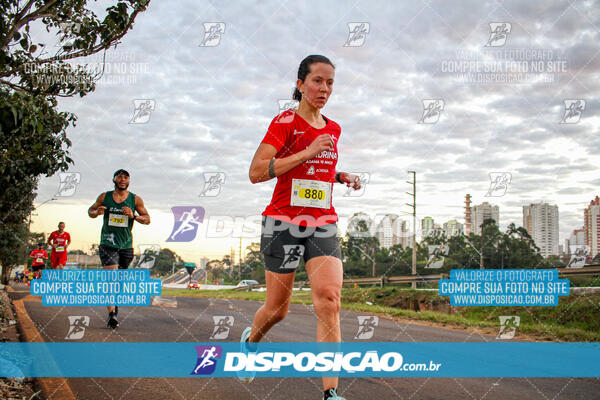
pixel 77 325
pixel 291 258
pixel 187 219
pixel 366 326
pixel 207 359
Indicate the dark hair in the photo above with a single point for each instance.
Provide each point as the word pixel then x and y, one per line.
pixel 60 223
pixel 304 69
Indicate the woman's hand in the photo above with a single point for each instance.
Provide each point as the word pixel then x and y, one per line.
pixel 350 180
pixel 321 143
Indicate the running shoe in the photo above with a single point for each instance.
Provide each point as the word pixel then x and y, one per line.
pixel 116 310
pixel 112 321
pixel 333 395
pixel 247 376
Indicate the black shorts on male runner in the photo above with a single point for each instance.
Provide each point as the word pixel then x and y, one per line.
pixel 113 256
pixel 283 243
pixel 36 268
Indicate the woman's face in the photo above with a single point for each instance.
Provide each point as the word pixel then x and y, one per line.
pixel 318 85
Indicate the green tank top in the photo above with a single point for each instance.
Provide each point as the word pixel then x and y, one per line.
pixel 116 229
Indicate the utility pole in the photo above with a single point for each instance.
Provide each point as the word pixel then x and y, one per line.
pixel 414 235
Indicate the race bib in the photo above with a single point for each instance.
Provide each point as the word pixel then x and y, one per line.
pixel 39 260
pixel 118 220
pixel 60 248
pixel 310 193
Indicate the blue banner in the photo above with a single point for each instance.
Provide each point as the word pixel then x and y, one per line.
pixel 366 359
pixel 96 287
pixel 504 287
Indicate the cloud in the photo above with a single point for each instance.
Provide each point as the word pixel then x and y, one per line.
pixel 214 105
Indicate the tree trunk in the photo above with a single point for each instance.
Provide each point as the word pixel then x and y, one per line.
pixel 5 274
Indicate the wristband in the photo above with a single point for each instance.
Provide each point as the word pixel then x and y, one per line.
pixel 337 177
pixel 272 168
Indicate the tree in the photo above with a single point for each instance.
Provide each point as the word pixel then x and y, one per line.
pixel 165 260
pixel 33 139
pixel 94 249
pixel 253 266
pixel 30 67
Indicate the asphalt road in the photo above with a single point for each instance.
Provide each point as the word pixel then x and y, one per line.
pixel 191 321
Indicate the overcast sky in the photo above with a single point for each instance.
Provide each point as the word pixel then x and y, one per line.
pixel 213 104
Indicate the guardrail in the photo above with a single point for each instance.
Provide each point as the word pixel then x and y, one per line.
pixel 585 271
pixel 589 270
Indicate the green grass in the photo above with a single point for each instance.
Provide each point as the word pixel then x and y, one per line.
pixel 576 318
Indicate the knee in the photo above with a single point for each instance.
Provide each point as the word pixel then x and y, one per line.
pixel 278 313
pixel 327 301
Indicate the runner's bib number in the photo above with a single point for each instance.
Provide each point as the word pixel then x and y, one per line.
pixel 60 248
pixel 118 220
pixel 310 193
pixel 39 260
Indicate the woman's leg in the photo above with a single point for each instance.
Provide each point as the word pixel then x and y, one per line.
pixel 326 277
pixel 279 292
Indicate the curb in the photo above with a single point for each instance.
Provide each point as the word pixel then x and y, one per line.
pixel 57 388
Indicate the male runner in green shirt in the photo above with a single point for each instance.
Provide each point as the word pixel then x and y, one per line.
pixel 116 243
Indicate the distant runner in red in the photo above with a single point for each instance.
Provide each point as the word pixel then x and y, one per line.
pixel 59 240
pixel 39 256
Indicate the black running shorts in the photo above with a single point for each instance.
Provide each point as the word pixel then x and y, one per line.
pixel 283 243
pixel 113 256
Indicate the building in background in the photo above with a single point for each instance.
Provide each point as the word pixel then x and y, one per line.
pixel 482 212
pixel 575 241
pixel 541 222
pixel 388 231
pixel 427 227
pixel 468 224
pixel 406 239
pixel 203 262
pixel 453 228
pixel 591 226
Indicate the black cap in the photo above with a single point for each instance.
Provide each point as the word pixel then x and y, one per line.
pixel 119 172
